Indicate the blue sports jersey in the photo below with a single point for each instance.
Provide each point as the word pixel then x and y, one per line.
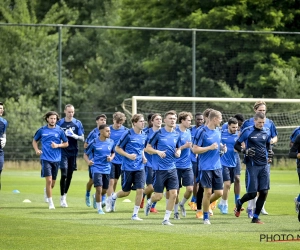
pixel 257 138
pixel 3 126
pixel 92 135
pixel 268 124
pixel 149 134
pixel 47 136
pixel 224 126
pixel 165 141
pixel 115 135
pixel 294 134
pixel 184 161
pixel 98 151
pixel 205 137
pixel 229 159
pixel 194 130
pixel 133 143
pixel 77 128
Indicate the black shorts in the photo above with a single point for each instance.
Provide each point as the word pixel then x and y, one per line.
pixel 115 171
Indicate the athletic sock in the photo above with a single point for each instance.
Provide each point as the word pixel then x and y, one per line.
pixel 136 210
pixel 298 198
pixel 98 205
pixel 222 202
pixel 206 216
pixel 144 195
pixel 255 216
pixel 104 198
pixel 167 215
pixel 176 208
pixel 236 197
pixel 183 201
pixel 87 194
pixel 193 199
pixel 167 200
pixel 114 196
pixel 153 204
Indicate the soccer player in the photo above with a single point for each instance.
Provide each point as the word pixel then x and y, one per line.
pixel 237 182
pixel 98 155
pixel 199 119
pixel 207 144
pixel 3 126
pixel 260 106
pixel 228 161
pixel 74 131
pixel 294 135
pixel 116 131
pixel 295 153
pixel 100 120
pixel 164 147
pixel 156 122
pixel 53 139
pixel 184 163
pixel 257 152
pixel 131 145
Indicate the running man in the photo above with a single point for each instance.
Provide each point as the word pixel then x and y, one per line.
pixel 184 163
pixel 131 145
pixel 228 161
pixel 3 126
pixel 100 120
pixel 156 122
pixel 164 147
pixel 258 153
pixel 53 139
pixel 74 131
pixel 98 156
pixel 199 119
pixel 295 153
pixel 207 144
pixel 260 106
pixel 116 131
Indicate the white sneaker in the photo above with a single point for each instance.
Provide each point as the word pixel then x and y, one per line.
pixel 135 217
pixel 263 211
pixel 167 223
pixel 108 205
pixel 51 206
pixel 206 222
pixel 182 209
pixel 63 202
pixel 45 196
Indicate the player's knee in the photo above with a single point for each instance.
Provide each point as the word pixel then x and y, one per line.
pixel 263 193
pixel 237 179
pixel 189 189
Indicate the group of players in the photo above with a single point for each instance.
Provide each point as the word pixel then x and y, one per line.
pixel 203 158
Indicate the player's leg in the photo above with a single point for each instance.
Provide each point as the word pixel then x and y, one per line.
pixel 223 204
pixel 98 184
pixel 193 202
pixel 206 182
pixel 70 170
pixel 237 182
pixel 139 182
pixel 188 182
pixel 89 188
pixel 126 182
pixel 1 164
pixel 63 177
pixel 199 212
pixel 176 205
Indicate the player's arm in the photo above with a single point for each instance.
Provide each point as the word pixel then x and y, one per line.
pixel 60 145
pixel 121 151
pixel 150 150
pixel 36 147
pixel 88 161
pixel 69 132
pixel 295 148
pixel 3 140
pixel 274 140
pixel 200 150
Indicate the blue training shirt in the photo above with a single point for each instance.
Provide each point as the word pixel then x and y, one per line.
pixel 257 138
pixel 268 124
pixel 115 135
pixel 205 137
pixel 194 130
pixel 133 143
pixel 149 134
pixel 229 159
pixel 294 134
pixel 77 128
pixel 92 135
pixel 48 135
pixel 98 151
pixel 184 161
pixel 3 126
pixel 165 141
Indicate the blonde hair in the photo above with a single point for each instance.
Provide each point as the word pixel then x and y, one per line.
pixel 258 104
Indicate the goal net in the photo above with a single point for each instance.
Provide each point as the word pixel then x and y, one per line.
pixel 285 113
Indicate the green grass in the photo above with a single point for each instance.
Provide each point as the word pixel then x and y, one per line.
pixel 34 226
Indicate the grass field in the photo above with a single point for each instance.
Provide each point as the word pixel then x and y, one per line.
pixel 34 226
